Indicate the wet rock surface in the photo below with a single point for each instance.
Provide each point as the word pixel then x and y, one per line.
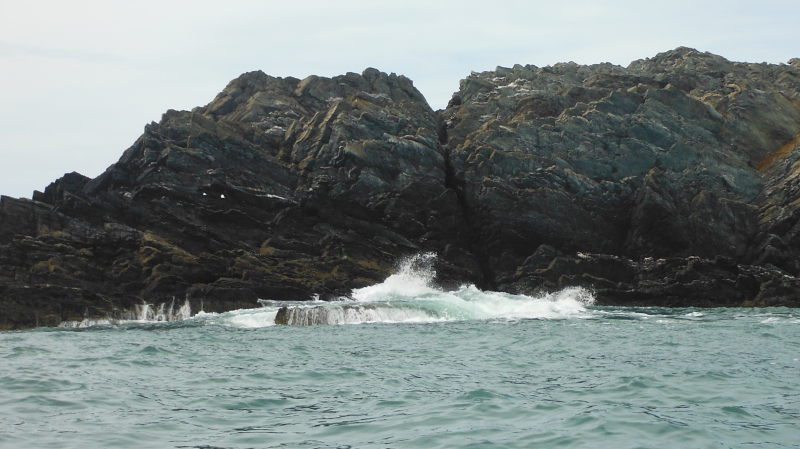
pixel 669 182
pixel 671 282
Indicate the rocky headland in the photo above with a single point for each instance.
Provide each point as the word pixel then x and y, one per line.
pixel 671 182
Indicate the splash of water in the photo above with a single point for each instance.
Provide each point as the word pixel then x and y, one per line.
pixel 145 312
pixel 409 296
pixel 414 278
pixel 467 303
pixel 142 313
pixel 85 323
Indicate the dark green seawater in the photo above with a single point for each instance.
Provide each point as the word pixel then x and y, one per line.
pixel 574 377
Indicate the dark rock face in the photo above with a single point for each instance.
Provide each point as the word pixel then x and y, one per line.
pixel 657 159
pixel 278 189
pixel 676 176
pixel 672 282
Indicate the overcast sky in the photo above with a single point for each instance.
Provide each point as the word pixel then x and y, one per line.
pixel 80 79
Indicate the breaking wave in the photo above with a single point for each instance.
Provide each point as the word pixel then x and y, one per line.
pixel 409 296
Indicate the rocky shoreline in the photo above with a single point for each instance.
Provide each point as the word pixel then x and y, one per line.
pixel 671 182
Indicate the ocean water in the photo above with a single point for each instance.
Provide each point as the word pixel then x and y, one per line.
pixel 404 365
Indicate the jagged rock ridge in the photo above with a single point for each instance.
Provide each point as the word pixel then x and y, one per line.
pixel 282 189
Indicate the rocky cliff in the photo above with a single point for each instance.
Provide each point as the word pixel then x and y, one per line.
pixel 670 182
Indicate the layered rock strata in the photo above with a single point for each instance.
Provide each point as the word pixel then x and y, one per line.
pixel 670 182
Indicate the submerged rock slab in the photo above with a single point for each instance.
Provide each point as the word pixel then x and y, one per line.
pixel 289 189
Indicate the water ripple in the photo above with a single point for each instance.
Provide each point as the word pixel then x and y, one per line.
pixel 688 378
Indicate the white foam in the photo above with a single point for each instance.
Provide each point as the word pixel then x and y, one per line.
pixel 413 279
pixel 249 318
pixel 143 313
pixel 387 305
pixel 409 296
pixel 477 304
pixel 84 323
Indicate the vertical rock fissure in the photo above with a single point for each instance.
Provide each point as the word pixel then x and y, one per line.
pixel 458 186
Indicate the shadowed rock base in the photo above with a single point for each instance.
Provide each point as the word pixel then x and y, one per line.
pixel 673 282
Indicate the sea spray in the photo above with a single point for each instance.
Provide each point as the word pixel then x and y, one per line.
pixel 142 313
pixel 86 322
pixel 145 312
pixel 467 303
pixel 414 278
pixel 410 296
pixel 407 296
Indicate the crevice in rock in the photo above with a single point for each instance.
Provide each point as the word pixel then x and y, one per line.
pixel 458 186
pixel 442 131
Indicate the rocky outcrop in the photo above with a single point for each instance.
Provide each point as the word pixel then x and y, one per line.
pixel 277 189
pixel 672 282
pixel 657 159
pixel 679 167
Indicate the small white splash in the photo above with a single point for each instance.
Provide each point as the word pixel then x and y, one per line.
pixel 414 277
pixel 84 323
pixel 695 314
pixel 249 318
pixel 184 312
pixel 142 313
pixel 164 312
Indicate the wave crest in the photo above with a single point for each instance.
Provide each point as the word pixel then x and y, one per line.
pixel 410 296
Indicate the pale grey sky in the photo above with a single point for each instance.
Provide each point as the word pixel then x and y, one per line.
pixel 80 79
